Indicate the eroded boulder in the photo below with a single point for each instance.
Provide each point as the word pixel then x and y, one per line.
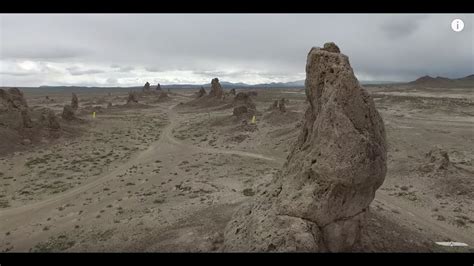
pixel 436 159
pixel 318 201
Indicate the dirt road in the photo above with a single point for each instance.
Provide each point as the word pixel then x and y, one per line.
pixel 167 148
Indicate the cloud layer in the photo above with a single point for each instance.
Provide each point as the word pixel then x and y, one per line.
pixel 130 49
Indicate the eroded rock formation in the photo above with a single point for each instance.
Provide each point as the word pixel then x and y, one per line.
pixel 240 110
pixel 14 112
pixel 243 104
pixel 318 201
pixel 216 89
pixel 50 120
pixel 74 101
pixel 68 113
pixel 243 98
pixel 281 105
pixel 201 92
pixel 437 159
pixel 146 88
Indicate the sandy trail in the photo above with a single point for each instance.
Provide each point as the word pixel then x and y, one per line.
pixel 10 216
pixel 167 145
pixel 175 121
pixel 422 218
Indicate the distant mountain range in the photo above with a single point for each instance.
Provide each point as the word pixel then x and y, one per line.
pixel 425 81
pixel 442 82
pixel 291 84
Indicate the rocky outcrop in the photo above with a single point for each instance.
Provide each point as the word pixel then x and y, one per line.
pixel 50 120
pixel 74 101
pixel 53 122
pixel 232 92
pixel 13 98
pixel 201 92
pixel 216 89
pixel 68 113
pixel 21 125
pixel 14 111
pixel 281 105
pixel 26 118
pixel 243 104
pixel 437 159
pixel 319 200
pixel 240 110
pixel 146 88
pixel 243 98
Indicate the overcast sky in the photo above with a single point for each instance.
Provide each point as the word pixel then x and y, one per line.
pixel 130 49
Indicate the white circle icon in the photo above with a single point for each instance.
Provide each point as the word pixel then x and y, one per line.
pixel 457 25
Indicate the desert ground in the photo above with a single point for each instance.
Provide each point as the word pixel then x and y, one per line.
pixel 165 175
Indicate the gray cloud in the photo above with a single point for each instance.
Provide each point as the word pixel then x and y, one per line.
pixel 119 68
pixel 112 81
pixel 153 69
pixel 43 53
pixel 250 48
pixel 402 25
pixel 76 71
pixel 15 73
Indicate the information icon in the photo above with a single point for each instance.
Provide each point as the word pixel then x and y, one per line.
pixel 457 25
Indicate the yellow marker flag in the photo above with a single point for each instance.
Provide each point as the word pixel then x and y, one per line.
pixel 253 120
pixel 93 114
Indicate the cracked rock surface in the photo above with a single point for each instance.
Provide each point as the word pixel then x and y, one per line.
pixel 319 200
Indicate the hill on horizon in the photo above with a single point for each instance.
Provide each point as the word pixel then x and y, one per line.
pixel 443 82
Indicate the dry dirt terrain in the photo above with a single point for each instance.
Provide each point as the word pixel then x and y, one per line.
pixel 166 175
